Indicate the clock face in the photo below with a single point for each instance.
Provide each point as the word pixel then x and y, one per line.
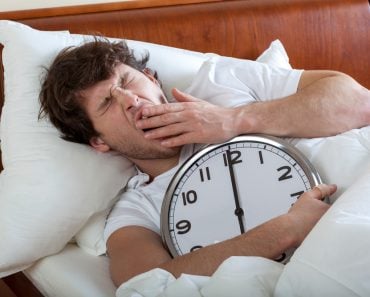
pixel 225 190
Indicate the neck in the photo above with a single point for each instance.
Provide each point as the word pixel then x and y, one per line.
pixel 155 167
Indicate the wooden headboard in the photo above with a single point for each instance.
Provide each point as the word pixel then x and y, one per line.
pixel 317 34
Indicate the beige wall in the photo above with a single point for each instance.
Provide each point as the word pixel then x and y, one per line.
pixel 10 5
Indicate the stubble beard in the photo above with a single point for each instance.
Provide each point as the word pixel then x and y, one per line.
pixel 146 152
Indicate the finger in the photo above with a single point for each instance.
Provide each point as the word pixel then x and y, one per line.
pixel 322 191
pixel 158 120
pixel 167 131
pixel 154 110
pixel 183 97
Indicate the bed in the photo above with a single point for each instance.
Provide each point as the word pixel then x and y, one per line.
pixel 329 34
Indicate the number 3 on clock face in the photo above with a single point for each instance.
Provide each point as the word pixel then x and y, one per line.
pixel 226 189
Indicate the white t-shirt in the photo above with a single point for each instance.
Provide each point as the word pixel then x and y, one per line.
pixel 141 202
pixel 222 81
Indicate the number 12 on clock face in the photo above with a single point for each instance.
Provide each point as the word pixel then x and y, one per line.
pixel 225 190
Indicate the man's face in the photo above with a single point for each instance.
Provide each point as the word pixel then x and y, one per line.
pixel 114 105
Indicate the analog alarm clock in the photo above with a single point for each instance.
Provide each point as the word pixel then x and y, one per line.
pixel 224 190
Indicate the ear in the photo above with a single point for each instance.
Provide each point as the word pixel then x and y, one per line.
pixel 98 144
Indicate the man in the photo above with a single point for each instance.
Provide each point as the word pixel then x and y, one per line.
pixel 99 94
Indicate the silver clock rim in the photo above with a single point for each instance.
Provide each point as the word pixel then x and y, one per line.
pixel 310 171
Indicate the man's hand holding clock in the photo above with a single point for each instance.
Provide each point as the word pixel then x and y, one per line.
pixel 309 209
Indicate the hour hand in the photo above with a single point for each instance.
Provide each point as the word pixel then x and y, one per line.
pixel 239 212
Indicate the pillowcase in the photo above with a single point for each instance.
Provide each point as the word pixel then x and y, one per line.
pixel 52 190
pixel 275 55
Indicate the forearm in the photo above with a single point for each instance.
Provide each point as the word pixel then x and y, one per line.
pixel 328 106
pixel 134 250
pixel 268 240
pixel 326 103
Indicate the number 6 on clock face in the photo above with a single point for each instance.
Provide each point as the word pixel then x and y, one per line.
pixel 226 189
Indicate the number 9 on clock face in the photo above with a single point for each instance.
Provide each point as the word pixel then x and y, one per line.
pixel 226 189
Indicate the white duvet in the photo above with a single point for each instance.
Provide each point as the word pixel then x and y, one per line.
pixel 334 260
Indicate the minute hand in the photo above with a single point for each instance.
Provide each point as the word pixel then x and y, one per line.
pixel 239 212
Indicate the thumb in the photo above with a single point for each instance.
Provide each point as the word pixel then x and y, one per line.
pixel 183 97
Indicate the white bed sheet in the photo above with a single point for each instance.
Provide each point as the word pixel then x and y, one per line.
pixel 72 273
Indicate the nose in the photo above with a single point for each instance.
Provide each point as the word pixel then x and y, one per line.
pixel 125 97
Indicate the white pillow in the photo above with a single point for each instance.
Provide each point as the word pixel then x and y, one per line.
pixel 50 188
pixel 275 55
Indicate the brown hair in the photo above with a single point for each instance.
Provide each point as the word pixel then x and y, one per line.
pixel 77 68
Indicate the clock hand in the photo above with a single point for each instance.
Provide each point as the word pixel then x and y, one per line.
pixel 239 212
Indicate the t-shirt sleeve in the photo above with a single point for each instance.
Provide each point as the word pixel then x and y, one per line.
pixel 231 82
pixel 132 209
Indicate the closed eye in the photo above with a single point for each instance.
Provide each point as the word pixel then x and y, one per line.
pixel 104 105
pixel 127 84
pixel 126 81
